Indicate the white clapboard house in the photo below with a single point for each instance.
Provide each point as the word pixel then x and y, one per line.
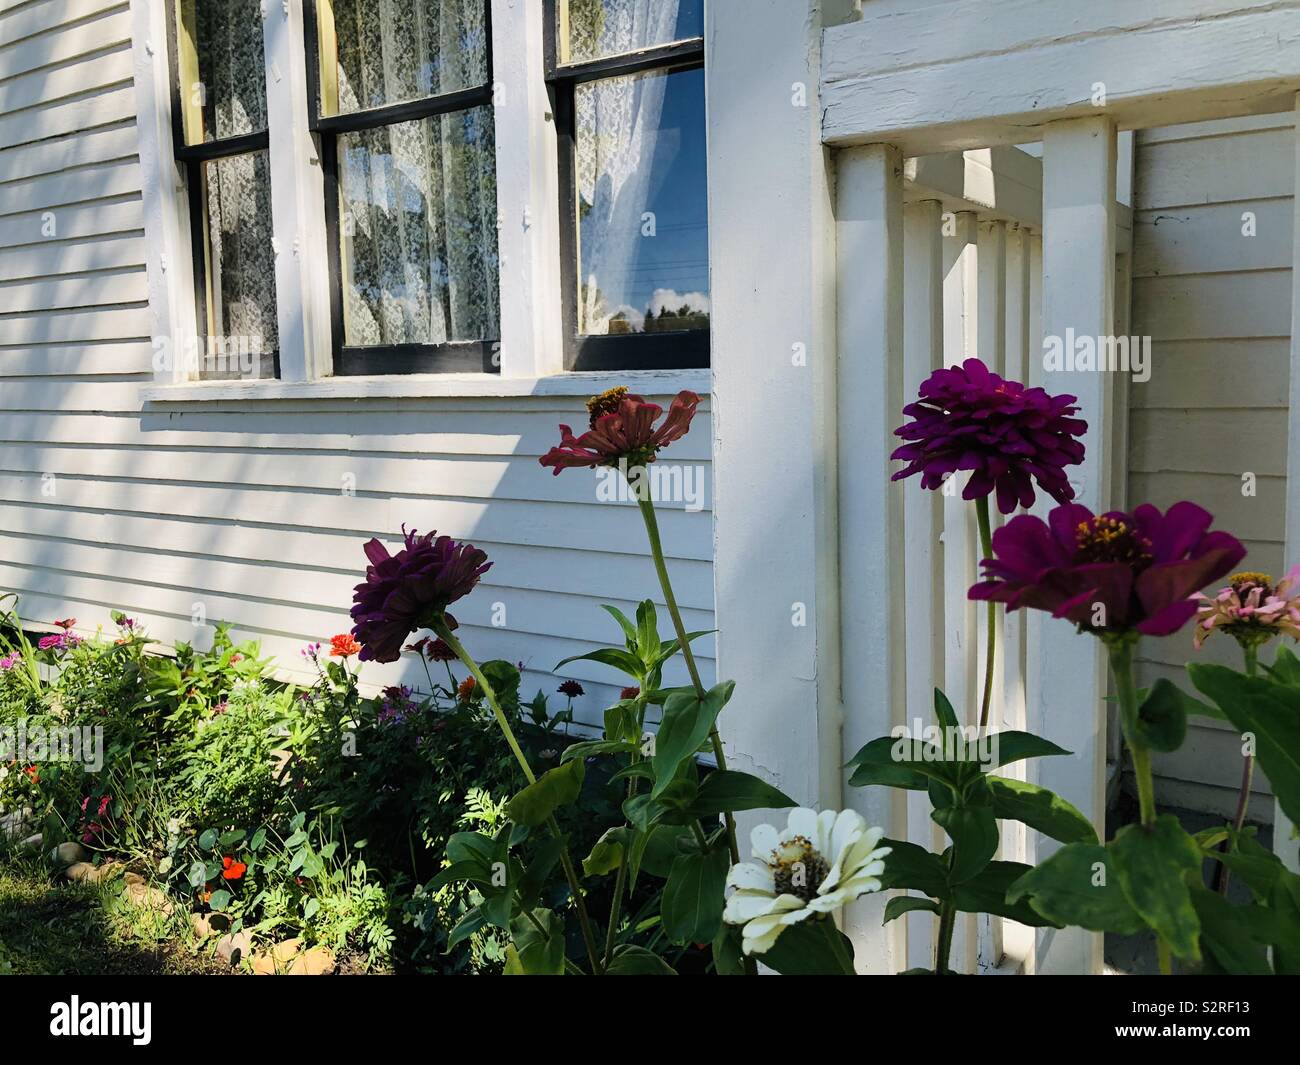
pixel 279 276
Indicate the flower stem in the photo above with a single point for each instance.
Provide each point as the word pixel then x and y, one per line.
pixel 943 950
pixel 986 545
pixel 657 553
pixel 1222 874
pixel 1121 667
pixel 588 936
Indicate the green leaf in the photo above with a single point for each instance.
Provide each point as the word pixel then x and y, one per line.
pixel 728 959
pixel 1152 867
pixel 208 839
pixel 1013 746
pixel 1162 717
pixel 555 788
pixel 913 867
pixel 987 893
pixel 472 922
pixel 606 853
pixel 474 872
pixel 259 840
pixel 1040 809
pixel 729 790
pixel 1285 668
pixel 1255 864
pixel 197 875
pixel 1225 937
pixel 875 764
pixel 1269 710
pixel 659 848
pixel 1075 887
pixel 804 949
pixel 590 747
pixel 629 630
pixel 632 960
pixel 647 626
pixel 532 952
pixel 902 904
pixel 621 723
pixel 473 847
pixel 685 726
pixel 974 834
pixel 691 908
pixel 1285 903
pixel 944 712
pixel 624 661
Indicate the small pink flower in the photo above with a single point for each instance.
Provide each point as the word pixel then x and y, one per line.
pixel 1251 610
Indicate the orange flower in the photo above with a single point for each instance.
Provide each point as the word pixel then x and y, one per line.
pixel 466 690
pixel 231 869
pixel 344 645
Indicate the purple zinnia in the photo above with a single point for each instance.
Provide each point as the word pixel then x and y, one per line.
pixel 967 418
pixel 1142 568
pixel 410 590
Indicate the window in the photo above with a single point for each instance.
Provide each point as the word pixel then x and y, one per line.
pixel 627 84
pixel 402 105
pixel 221 140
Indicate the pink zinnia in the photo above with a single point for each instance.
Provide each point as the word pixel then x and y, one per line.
pixel 622 428
pixel 1251 610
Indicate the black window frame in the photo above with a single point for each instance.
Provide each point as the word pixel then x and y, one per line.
pixel 191 158
pixel 682 349
pixel 468 356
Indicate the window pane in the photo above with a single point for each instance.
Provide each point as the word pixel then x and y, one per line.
pixel 391 51
pixel 241 327
pixel 418 224
pixel 592 29
pixel 223 71
pixel 643 257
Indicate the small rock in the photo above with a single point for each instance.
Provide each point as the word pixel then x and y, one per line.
pixel 66 854
pixel 230 948
pixel 199 923
pixel 277 959
pixel 93 874
pixel 319 961
pixel 32 843
pixel 132 879
pixel 16 824
pixel 147 897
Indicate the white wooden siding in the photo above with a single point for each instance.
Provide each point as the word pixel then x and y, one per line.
pixel 242 506
pixel 1216 303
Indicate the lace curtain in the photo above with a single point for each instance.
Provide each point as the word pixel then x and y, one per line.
pixel 617 124
pixel 418 199
pixel 232 68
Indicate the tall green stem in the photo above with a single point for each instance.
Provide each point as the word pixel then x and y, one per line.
pixel 715 740
pixel 661 568
pixel 1251 654
pixel 570 873
pixel 1121 667
pixel 943 949
pixel 986 544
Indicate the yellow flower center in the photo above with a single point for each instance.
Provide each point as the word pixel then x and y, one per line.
pixel 798 869
pixel 605 403
pixel 1243 583
pixel 1103 539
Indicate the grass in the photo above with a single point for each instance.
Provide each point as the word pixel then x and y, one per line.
pixel 50 927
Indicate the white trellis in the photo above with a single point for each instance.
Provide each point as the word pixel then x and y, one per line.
pixel 922 105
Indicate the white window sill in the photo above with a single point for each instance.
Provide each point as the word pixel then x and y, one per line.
pixel 422 386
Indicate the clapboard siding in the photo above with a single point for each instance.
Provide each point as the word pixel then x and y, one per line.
pixel 1212 244
pixel 255 513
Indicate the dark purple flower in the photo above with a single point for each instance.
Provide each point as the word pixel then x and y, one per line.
pixel 1142 568
pixel 967 418
pixel 571 688
pixel 411 590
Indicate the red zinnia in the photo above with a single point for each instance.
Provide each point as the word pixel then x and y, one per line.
pixel 439 650
pixel 231 869
pixel 66 623
pixel 344 645
pixel 466 690
pixel 629 693
pixel 622 427
pixel 571 688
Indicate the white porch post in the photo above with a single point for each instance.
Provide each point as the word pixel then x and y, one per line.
pixel 1067 681
pixel 771 237
pixel 1284 846
pixel 869 247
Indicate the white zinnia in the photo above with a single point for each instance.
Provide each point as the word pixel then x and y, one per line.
pixel 818 864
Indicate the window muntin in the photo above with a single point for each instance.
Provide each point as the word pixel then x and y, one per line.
pixel 633 216
pixel 410 183
pixel 596 29
pixel 221 141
